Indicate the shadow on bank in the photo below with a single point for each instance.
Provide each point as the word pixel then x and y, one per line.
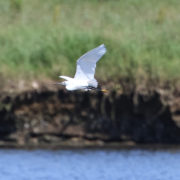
pixel 86 119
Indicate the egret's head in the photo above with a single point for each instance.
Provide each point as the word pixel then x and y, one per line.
pixel 104 90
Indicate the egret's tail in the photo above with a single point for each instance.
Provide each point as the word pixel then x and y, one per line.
pixel 66 78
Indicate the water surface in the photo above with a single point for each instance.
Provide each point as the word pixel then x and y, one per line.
pixel 89 165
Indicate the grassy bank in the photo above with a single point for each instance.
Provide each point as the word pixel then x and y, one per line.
pixel 43 39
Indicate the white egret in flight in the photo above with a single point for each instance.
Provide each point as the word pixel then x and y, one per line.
pixel 85 70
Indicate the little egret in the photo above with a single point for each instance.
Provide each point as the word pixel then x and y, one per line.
pixel 85 70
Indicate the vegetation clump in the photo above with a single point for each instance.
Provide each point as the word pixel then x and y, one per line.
pixel 45 38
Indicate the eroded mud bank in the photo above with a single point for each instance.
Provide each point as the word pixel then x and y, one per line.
pixel 59 118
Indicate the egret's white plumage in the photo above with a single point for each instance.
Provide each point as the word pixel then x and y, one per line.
pixel 85 70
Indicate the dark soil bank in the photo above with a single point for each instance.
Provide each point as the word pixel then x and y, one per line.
pixel 59 118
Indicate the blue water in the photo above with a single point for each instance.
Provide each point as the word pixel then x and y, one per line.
pixel 89 165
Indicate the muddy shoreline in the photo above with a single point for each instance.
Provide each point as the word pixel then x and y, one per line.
pixel 55 118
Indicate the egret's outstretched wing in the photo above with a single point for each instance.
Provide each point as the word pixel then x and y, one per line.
pixel 86 64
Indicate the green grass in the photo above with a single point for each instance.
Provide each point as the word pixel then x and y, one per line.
pixel 43 39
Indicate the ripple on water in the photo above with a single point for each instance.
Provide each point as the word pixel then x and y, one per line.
pixel 89 165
